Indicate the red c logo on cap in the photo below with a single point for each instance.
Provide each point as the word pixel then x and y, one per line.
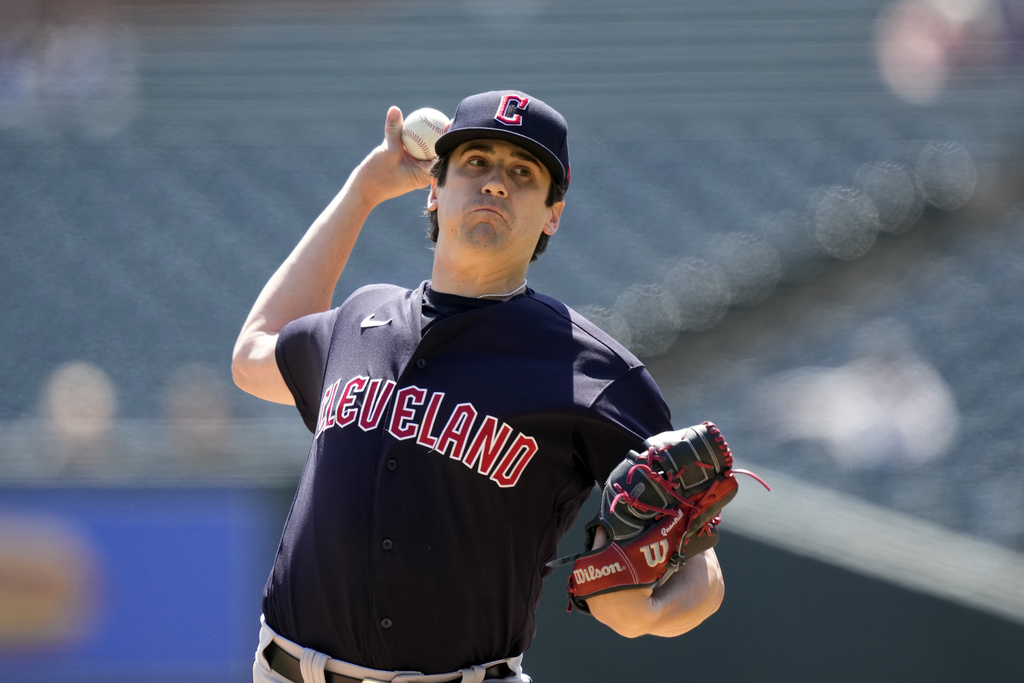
pixel 509 108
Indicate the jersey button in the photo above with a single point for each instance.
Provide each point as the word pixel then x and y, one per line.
pixel 421 363
pixel 385 623
pixel 392 464
pixel 388 544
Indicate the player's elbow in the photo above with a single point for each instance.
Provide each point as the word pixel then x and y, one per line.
pixel 238 371
pixel 242 364
pixel 254 369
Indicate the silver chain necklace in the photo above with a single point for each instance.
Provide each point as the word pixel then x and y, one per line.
pixel 506 295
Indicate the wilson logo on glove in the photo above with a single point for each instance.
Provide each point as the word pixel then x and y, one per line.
pixel 658 508
pixel 590 573
pixel 655 553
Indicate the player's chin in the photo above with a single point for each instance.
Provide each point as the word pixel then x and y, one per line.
pixel 486 234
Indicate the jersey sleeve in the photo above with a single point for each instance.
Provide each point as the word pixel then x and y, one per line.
pixel 629 410
pixel 302 349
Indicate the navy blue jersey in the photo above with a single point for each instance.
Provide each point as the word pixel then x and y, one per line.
pixel 443 471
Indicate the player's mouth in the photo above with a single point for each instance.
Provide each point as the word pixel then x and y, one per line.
pixel 489 208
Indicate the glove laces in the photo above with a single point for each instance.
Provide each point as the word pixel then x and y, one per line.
pixel 670 480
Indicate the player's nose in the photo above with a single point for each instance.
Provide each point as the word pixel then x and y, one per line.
pixel 494 184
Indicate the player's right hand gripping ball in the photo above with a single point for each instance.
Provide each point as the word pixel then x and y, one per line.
pixel 658 508
pixel 420 131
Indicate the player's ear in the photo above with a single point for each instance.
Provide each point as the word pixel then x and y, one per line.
pixel 554 217
pixel 432 197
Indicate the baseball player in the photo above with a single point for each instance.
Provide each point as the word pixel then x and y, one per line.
pixel 457 427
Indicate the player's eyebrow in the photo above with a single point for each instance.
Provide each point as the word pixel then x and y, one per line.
pixel 486 147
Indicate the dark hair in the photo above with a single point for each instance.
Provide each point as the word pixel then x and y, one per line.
pixel 439 171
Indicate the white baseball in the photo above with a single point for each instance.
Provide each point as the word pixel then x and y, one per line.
pixel 421 130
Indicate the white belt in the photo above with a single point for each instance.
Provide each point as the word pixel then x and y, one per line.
pixel 314 664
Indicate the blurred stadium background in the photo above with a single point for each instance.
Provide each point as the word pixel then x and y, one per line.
pixel 807 216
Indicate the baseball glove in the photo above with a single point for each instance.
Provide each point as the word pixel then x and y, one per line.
pixel 658 508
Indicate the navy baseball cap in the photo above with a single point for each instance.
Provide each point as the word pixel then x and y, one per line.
pixel 516 117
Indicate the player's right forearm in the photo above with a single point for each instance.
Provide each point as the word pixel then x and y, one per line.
pixel 302 285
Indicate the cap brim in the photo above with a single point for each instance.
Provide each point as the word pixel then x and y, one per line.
pixel 449 141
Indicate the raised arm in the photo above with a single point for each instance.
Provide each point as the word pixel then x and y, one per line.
pixel 305 282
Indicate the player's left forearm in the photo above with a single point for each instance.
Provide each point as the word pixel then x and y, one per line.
pixel 682 603
pixel 690 596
